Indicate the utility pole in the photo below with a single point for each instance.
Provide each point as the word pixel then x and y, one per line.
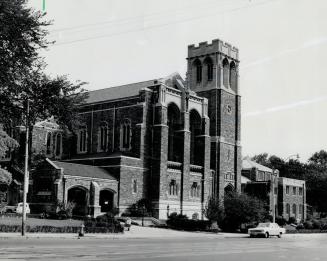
pixel 26 174
pixel 273 196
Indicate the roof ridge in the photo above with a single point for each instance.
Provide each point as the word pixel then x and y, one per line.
pixel 116 86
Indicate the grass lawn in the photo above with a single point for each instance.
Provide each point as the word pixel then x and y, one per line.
pixel 33 222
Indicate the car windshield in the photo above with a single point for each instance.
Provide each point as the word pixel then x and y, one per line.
pixel 263 225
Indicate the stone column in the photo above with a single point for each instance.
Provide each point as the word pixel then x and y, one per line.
pixel 185 135
pixel 206 181
pixel 159 157
pixel 95 209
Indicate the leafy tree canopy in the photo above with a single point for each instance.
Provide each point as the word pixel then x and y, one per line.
pixel 314 172
pixel 23 34
pixel 242 208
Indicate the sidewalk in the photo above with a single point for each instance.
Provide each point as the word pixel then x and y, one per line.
pixel 135 232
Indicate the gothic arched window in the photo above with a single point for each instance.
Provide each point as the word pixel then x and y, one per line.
pixel 82 139
pixel 125 135
pixel 233 76
pixel 225 72
pixel 58 144
pixel 198 70
pixel 49 143
pixel 103 137
pixel 209 68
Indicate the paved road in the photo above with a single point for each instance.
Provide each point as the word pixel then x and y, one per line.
pixel 290 247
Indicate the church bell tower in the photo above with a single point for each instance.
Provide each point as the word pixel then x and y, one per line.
pixel 212 72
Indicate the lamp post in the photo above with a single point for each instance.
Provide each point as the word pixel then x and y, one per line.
pixel 26 174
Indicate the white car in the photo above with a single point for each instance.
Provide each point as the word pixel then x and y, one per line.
pixel 19 209
pixel 266 230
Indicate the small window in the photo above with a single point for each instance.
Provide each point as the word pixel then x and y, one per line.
pixel 294 190
pixel 134 186
pixel 301 191
pixel 195 190
pixel 300 209
pixel 287 189
pixel 173 189
pixel 275 190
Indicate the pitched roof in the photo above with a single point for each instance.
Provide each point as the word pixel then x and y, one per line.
pixel 81 170
pixel 118 92
pixel 249 164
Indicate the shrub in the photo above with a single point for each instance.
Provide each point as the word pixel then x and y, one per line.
pixel 291 220
pixel 281 221
pixel 300 226
pixel 103 224
pixel 308 225
pixel 141 208
pixel 316 224
pixel 181 222
pixel 323 226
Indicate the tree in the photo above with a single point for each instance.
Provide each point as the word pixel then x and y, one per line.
pixel 314 172
pixel 261 159
pixel 319 160
pixel 242 208
pixel 6 143
pixel 214 210
pixel 22 34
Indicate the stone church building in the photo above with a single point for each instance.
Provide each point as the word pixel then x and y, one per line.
pixel 171 141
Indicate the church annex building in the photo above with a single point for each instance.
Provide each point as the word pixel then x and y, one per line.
pixel 171 141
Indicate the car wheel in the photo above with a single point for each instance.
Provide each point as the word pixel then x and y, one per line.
pixel 267 235
pixel 280 235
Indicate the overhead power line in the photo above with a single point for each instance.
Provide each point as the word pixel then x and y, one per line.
pixel 164 24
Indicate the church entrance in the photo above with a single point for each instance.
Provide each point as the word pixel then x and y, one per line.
pixel 79 195
pixel 106 200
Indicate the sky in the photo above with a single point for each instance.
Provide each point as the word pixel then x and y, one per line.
pixel 282 44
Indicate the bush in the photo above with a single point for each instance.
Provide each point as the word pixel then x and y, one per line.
pixel 181 222
pixel 300 226
pixel 141 208
pixel 280 221
pixel 316 224
pixel 323 226
pixel 291 220
pixel 103 224
pixel 308 225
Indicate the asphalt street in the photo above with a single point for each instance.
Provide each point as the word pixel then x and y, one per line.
pixel 290 247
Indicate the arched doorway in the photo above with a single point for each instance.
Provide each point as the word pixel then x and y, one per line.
pixel 229 189
pixel 106 200
pixel 79 195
